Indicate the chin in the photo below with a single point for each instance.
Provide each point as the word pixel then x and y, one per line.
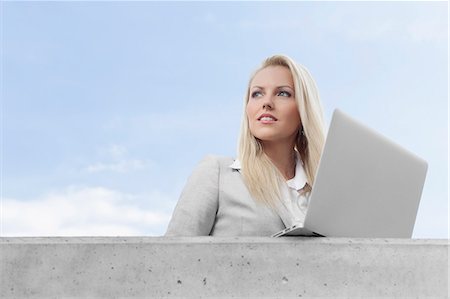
pixel 267 138
pixel 274 137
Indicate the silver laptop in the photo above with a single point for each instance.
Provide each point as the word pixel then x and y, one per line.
pixel 366 186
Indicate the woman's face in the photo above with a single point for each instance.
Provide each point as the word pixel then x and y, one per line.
pixel 271 109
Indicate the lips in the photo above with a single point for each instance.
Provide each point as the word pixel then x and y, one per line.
pixel 267 117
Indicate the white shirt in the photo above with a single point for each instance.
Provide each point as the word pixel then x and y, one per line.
pixel 294 200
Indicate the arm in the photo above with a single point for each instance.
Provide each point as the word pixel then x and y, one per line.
pixel 196 209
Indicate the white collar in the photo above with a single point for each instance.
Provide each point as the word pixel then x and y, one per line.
pixel 297 182
pixel 236 165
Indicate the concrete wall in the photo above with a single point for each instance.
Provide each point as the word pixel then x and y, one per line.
pixel 222 267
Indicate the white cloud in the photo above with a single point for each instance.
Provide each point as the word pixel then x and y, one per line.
pixel 428 30
pixel 120 166
pixel 357 22
pixel 116 151
pixel 198 118
pixel 116 161
pixel 209 18
pixel 81 212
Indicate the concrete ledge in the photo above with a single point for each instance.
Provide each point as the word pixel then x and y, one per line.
pixel 222 267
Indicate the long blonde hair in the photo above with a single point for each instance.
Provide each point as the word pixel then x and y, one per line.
pixel 261 177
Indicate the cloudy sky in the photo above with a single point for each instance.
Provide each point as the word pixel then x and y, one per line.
pixel 108 106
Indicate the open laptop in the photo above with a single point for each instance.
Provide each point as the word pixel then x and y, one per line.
pixel 366 186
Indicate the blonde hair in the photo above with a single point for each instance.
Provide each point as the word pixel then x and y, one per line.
pixel 261 177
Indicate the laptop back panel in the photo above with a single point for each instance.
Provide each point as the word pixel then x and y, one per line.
pixel 366 185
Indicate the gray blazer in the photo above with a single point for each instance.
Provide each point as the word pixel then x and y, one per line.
pixel 216 202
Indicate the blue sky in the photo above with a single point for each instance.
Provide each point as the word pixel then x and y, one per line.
pixel 108 106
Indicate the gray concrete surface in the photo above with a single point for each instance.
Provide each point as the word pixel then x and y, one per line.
pixel 205 267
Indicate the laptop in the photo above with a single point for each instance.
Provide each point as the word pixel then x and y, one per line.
pixel 366 186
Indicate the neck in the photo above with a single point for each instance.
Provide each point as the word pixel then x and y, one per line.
pixel 282 156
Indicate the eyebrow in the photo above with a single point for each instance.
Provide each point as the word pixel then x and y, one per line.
pixel 278 87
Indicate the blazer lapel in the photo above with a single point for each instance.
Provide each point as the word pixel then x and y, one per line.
pixel 281 209
pixel 284 214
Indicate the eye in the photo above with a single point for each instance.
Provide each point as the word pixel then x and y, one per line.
pixel 284 93
pixel 256 94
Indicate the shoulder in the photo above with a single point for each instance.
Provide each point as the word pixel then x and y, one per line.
pixel 211 166
pixel 217 161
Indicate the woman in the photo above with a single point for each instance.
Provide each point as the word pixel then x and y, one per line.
pixel 266 189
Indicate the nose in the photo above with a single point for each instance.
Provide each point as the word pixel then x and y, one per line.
pixel 268 103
